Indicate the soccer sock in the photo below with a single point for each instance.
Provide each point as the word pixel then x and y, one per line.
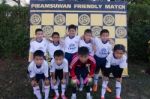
pixel 88 94
pixel 118 89
pixel 63 87
pixel 47 88
pixel 37 92
pixel 56 90
pixel 104 86
pixel 96 76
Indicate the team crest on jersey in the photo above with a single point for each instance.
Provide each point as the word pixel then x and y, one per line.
pixel 103 51
pixel 72 47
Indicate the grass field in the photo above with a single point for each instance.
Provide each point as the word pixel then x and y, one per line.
pixel 14 83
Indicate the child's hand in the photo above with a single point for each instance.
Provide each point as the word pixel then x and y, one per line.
pixel 87 79
pixel 75 80
pixel 63 81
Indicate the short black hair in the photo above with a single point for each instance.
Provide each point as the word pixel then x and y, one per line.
pixel 55 33
pixel 38 30
pixel 72 26
pixel 119 47
pixel 104 31
pixel 83 51
pixel 88 31
pixel 58 53
pixel 38 53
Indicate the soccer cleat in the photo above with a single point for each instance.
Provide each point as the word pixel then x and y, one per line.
pixel 108 90
pixel 102 98
pixel 63 97
pixel 95 88
pixel 55 97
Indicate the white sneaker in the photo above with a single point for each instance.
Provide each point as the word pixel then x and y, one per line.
pixel 73 97
pixel 88 97
pixel 81 89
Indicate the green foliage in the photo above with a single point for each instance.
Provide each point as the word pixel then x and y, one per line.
pixel 138 31
pixel 14 31
pixel 14 35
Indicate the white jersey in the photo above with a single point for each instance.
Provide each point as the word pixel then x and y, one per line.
pixel 88 45
pixel 63 66
pixel 112 61
pixel 34 46
pixel 51 48
pixel 71 45
pixel 102 50
pixel 33 70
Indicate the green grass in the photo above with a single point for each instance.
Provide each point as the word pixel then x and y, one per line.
pixel 14 83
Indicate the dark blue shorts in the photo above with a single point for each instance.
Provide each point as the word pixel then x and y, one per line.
pixel 100 64
pixel 39 77
pixel 69 57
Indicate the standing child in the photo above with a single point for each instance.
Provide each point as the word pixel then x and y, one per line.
pixel 54 45
pixel 59 70
pixel 83 65
pixel 116 62
pixel 103 49
pixel 87 41
pixel 71 43
pixel 40 43
pixel 38 70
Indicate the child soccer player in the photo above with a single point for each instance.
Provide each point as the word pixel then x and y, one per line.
pixel 38 70
pixel 59 70
pixel 71 43
pixel 103 49
pixel 54 45
pixel 87 41
pixel 83 65
pixel 116 62
pixel 40 43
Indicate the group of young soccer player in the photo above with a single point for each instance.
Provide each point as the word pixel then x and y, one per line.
pixel 78 58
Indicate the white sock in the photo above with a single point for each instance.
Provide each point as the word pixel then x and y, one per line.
pixel 96 76
pixel 52 85
pixel 88 94
pixel 37 92
pixel 81 82
pixel 63 87
pixel 47 88
pixel 118 89
pixel 56 90
pixel 73 95
pixel 104 86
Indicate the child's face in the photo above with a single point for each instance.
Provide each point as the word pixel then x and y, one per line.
pixel 87 36
pixel 59 59
pixel 72 32
pixel 118 54
pixel 104 36
pixel 55 38
pixel 83 58
pixel 38 60
pixel 39 35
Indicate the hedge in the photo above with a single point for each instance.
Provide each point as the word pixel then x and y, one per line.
pixel 14 31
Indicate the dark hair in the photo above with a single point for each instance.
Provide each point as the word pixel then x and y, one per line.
pixel 119 47
pixel 83 51
pixel 104 31
pixel 58 53
pixel 72 26
pixel 55 33
pixel 38 53
pixel 88 31
pixel 38 30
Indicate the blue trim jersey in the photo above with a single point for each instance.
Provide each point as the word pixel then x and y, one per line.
pixel 71 44
pixel 63 66
pixel 88 45
pixel 102 49
pixel 112 61
pixel 33 70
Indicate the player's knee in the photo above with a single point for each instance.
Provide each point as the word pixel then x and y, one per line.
pixel 63 81
pixel 47 82
pixel 34 83
pixel 90 81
